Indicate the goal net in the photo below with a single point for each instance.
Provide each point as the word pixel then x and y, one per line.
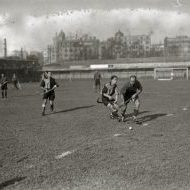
pixel 171 73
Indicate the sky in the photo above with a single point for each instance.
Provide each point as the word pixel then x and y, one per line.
pixel 31 24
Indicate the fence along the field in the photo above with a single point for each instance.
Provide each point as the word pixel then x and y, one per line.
pixel 104 74
pixel 142 70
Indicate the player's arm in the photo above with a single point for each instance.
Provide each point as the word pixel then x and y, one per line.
pixel 6 81
pixel 122 93
pixel 105 93
pixel 42 85
pixel 122 98
pixel 116 94
pixel 139 90
pixel 55 84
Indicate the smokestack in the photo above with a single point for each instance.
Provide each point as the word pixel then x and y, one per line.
pixel 21 53
pixel 5 47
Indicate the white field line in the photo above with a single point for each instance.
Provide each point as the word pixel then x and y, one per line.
pixel 145 124
pixel 64 154
pixel 169 115
pixel 117 135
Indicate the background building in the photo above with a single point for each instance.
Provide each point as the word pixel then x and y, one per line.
pixel 121 46
pixel 73 48
pixel 157 50
pixel 19 54
pixel 178 46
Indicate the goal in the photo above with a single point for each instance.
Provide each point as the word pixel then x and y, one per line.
pixel 171 73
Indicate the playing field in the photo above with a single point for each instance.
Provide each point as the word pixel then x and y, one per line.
pixel 79 147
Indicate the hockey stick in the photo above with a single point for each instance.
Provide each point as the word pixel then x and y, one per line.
pixel 49 90
pixel 4 83
pixel 126 102
pixel 100 102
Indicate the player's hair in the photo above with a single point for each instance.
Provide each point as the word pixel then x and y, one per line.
pixel 114 76
pixel 133 76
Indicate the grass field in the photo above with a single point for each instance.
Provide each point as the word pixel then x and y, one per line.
pixel 79 147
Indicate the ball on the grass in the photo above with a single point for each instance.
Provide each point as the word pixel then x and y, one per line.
pixel 130 128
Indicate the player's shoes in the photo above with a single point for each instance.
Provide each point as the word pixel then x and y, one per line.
pixel 119 119
pixel 112 116
pixel 116 116
pixel 134 118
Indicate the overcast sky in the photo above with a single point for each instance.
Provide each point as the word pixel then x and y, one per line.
pixel 31 24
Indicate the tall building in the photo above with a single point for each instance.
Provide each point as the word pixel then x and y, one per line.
pixel 69 48
pixel 58 41
pixel 121 46
pixel 157 50
pixel 138 45
pixel 45 57
pixel 177 46
pixel 74 48
pixel 36 55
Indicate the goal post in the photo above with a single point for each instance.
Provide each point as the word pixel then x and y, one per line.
pixel 171 73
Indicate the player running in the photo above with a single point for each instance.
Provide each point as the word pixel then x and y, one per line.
pixel 4 82
pixel 130 92
pixel 110 94
pixel 48 84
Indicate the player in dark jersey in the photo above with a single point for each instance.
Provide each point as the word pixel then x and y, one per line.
pixel 97 81
pixel 48 84
pixel 110 94
pixel 130 92
pixel 4 88
pixel 97 84
pixel 15 81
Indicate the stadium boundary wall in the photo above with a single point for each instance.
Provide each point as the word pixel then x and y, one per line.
pixel 141 70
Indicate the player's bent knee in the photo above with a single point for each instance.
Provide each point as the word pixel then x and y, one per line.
pixel 115 106
pixel 111 107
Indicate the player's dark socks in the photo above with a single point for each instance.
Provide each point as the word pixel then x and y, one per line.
pixel 52 107
pixel 115 113
pixel 123 114
pixel 43 111
pixel 136 112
